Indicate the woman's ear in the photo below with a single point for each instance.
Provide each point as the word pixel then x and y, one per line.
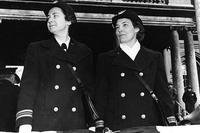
pixel 137 29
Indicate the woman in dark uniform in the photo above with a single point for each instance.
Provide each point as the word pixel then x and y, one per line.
pixel 50 98
pixel 121 98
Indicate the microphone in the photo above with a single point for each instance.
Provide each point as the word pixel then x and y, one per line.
pixel 194 117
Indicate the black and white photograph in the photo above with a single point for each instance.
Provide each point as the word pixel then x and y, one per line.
pixel 99 66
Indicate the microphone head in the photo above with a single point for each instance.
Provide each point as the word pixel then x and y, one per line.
pixel 194 117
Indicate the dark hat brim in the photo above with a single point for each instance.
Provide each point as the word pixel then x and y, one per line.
pixel 126 14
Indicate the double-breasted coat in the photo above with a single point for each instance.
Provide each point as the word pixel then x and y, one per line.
pixel 121 99
pixel 50 98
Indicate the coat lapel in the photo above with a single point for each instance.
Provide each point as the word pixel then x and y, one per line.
pixel 75 52
pixel 144 58
pixel 72 55
pixel 141 61
pixel 51 51
pixel 59 53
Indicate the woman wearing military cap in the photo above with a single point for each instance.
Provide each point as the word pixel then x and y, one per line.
pixel 123 74
pixel 50 98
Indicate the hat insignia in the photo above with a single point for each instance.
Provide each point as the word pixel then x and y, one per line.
pixel 121 12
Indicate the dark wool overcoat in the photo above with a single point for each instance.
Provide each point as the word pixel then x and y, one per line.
pixel 121 99
pixel 50 98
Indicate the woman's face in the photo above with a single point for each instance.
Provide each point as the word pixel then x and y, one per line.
pixel 125 31
pixel 56 22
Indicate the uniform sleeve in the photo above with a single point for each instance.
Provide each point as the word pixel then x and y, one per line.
pixel 101 86
pixel 162 92
pixel 29 85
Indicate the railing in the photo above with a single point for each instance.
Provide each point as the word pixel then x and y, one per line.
pixel 145 1
pixel 134 1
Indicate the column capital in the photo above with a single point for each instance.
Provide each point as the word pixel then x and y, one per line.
pixel 184 28
pixel 178 28
pixel 192 29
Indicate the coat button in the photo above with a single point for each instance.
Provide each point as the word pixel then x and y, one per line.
pixel 73 88
pixel 142 94
pixel 74 109
pixel 123 94
pixel 74 68
pixel 141 74
pixel 123 117
pixel 56 87
pixel 122 74
pixel 58 66
pixel 55 109
pixel 143 116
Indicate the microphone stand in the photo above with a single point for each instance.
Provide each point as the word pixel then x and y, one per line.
pixel 182 114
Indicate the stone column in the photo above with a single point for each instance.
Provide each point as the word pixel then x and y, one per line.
pixel 191 67
pixel 197 12
pixel 177 69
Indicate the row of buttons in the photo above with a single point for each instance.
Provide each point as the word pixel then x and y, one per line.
pixel 143 116
pixel 58 67
pixel 55 109
pixel 123 74
pixel 56 87
pixel 141 94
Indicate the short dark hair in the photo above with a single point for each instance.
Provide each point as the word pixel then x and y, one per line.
pixel 66 9
pixel 136 21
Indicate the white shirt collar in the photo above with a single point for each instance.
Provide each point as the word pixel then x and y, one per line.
pixel 66 42
pixel 131 52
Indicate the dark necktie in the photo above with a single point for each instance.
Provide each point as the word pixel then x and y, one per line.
pixel 64 46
